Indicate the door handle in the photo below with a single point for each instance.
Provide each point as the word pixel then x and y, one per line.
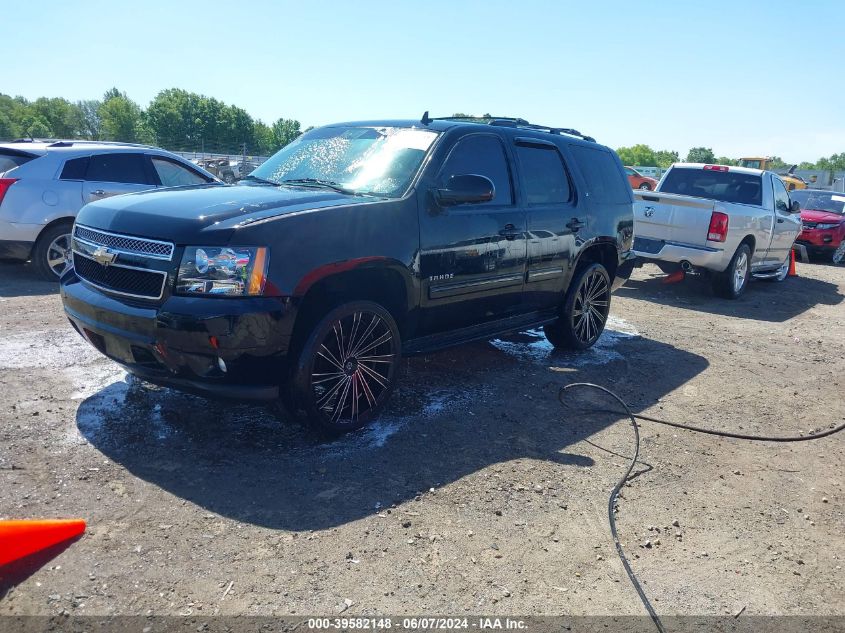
pixel 574 224
pixel 98 192
pixel 780 220
pixel 509 232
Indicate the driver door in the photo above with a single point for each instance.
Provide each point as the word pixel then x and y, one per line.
pixel 787 225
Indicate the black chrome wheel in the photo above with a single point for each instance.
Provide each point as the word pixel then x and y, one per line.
pixel 348 365
pixel 585 310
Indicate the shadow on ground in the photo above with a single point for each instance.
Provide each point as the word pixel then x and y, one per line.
pixel 456 413
pixel 21 280
pixel 763 300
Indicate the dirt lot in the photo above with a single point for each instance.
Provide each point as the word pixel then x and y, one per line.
pixel 472 495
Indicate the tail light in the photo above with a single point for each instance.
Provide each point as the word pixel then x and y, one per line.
pixel 5 183
pixel 718 230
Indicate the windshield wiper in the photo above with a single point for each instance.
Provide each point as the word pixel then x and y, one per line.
pixel 331 184
pixel 261 180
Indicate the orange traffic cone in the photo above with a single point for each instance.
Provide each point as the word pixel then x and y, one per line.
pixel 22 538
pixel 675 277
pixel 792 272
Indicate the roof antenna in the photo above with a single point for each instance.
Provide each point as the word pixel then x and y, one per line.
pixel 425 118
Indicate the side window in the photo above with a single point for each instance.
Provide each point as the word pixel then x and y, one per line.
pixel 605 182
pixel 485 156
pixel 75 169
pixel 172 174
pixel 782 202
pixel 543 173
pixel 125 168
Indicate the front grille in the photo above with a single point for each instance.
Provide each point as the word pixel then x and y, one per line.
pixel 125 243
pixel 133 282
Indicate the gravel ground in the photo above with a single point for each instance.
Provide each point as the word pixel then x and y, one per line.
pixel 476 492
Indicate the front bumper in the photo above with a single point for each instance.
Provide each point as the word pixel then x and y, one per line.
pixel 216 347
pixel 821 239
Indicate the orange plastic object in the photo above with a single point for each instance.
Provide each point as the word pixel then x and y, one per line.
pixel 675 277
pixel 22 538
pixel 792 272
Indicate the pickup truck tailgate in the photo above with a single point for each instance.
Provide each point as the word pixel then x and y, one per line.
pixel 667 217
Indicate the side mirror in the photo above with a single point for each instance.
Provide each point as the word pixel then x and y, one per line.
pixel 466 189
pixel 796 207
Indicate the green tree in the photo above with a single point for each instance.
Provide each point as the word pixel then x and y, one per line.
pixel 90 118
pixel 35 126
pixel 7 129
pixel 120 119
pixel 63 117
pixel 665 158
pixel 284 131
pixel 701 155
pixel 724 160
pixel 640 154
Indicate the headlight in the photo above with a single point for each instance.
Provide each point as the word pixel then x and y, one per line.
pixel 230 271
pixel 831 225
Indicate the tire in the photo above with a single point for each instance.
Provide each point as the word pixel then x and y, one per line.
pixel 332 378
pixel 52 251
pixel 839 254
pixel 229 178
pixel 645 186
pixel 577 328
pixel 783 272
pixel 731 283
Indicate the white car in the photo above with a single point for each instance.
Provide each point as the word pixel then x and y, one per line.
pixel 43 184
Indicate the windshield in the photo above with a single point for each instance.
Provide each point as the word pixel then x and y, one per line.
pixel 820 201
pixel 727 186
pixel 366 160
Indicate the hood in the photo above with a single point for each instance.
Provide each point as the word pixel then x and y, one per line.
pixel 812 215
pixel 204 214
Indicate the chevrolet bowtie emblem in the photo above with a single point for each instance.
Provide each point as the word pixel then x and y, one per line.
pixel 103 256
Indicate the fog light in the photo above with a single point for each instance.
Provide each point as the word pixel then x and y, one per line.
pixel 221 364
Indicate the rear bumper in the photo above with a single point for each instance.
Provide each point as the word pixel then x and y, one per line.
pixel 173 344
pixel 699 256
pixel 15 249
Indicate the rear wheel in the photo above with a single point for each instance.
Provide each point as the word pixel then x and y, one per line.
pixel 731 283
pixel 645 186
pixel 347 368
pixel 585 310
pixel 52 252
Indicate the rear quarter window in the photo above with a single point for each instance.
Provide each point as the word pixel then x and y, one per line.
pixel 75 169
pixel 606 182
pixel 10 159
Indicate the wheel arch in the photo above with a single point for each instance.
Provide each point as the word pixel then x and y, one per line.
pixel 600 252
pixel 61 220
pixel 381 280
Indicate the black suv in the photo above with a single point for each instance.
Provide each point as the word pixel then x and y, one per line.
pixel 356 243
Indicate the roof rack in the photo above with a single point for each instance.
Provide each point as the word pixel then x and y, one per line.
pixel 516 122
pixel 54 142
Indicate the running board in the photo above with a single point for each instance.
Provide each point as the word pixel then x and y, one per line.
pixel 484 331
pixel 768 275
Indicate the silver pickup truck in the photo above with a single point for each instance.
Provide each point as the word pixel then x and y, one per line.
pixel 733 222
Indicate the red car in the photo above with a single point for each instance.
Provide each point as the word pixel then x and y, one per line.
pixel 822 220
pixel 638 181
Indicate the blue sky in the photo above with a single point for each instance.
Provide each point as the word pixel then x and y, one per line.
pixel 745 78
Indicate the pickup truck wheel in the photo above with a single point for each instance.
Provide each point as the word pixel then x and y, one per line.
pixel 52 252
pixel 733 282
pixel 585 310
pixel 347 368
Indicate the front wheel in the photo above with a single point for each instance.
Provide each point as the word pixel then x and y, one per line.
pixel 839 253
pixel 347 368
pixel 731 283
pixel 585 310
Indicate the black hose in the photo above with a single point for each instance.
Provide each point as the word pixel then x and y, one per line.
pixel 625 477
